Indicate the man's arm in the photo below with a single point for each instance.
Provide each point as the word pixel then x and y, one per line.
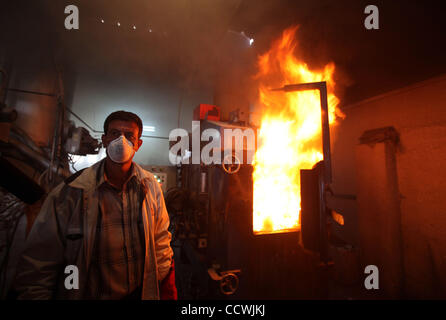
pixel 42 258
pixel 163 250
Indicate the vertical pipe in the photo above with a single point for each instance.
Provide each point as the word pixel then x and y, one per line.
pixel 203 185
pixel 55 144
pixel 323 236
pixel 325 177
pixel 325 133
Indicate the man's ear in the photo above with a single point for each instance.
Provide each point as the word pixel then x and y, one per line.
pixel 139 144
pixel 104 141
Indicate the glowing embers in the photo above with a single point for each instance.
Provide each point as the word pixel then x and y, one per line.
pixel 290 137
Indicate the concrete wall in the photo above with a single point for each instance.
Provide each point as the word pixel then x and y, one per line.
pixel 418 113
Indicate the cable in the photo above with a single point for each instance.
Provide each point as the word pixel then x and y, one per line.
pixel 72 162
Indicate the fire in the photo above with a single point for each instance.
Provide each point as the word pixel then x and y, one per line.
pixel 290 136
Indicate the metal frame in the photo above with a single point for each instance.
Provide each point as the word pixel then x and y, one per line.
pixel 322 87
pixel 326 178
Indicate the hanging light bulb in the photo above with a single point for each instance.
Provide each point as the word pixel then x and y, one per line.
pixel 118 24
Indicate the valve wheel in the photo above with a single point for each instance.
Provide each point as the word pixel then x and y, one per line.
pixel 229 284
pixel 231 164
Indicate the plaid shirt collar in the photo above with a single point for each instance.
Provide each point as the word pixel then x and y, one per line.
pixel 102 177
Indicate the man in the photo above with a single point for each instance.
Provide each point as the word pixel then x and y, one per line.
pixel 109 221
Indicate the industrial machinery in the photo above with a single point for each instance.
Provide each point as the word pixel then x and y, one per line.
pixel 210 217
pixel 217 253
pixel 31 169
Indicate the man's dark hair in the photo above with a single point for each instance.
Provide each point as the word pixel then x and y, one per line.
pixel 123 116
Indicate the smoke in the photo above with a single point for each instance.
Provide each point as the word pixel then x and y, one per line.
pixel 195 43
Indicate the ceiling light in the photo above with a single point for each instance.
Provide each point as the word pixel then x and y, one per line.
pixel 118 24
pixel 251 41
pixel 148 128
pixel 134 27
pixel 102 21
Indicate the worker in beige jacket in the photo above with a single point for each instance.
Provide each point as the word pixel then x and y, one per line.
pixel 103 233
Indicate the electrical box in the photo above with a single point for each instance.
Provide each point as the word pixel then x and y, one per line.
pixel 206 112
pixel 165 175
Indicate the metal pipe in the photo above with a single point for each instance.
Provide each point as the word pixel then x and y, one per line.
pixel 301 87
pixel 325 134
pixel 30 154
pixel 155 137
pixel 31 92
pixel 86 124
pixel 323 238
pixel 56 140
pixel 39 161
pixel 21 135
pixel 61 134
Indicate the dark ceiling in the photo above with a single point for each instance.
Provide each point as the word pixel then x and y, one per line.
pixel 191 40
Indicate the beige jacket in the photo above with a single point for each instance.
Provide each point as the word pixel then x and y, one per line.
pixel 64 231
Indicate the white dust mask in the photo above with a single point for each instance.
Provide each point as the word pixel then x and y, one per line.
pixel 120 150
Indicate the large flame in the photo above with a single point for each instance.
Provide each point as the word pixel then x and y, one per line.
pixel 290 137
